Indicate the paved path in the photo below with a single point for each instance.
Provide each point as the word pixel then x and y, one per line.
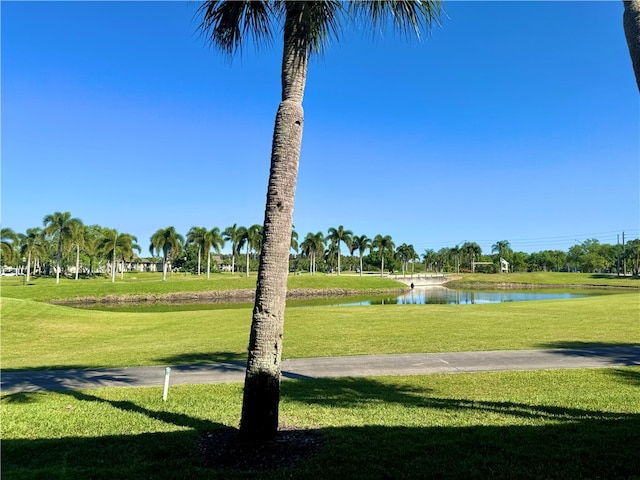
pixel 353 366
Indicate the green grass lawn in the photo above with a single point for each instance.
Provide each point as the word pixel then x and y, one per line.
pixel 567 424
pixel 57 337
pixel 536 279
pixel 149 284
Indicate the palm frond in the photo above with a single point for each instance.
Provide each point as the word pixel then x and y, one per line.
pixel 317 22
pixel 226 23
pixel 410 17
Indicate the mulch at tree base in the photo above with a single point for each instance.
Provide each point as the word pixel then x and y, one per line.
pixel 223 449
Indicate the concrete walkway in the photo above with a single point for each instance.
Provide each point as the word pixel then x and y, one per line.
pixel 325 367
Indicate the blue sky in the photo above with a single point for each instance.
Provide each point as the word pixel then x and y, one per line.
pixel 511 120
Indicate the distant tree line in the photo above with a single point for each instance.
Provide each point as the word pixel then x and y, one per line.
pixel 64 245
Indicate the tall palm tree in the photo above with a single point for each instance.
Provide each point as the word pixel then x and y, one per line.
pixel 631 23
pixel 117 246
pixel 307 250
pixel 212 239
pixel 108 246
pixel 233 235
pixel 9 238
pixel 92 236
pixel 338 235
pixel 76 237
pixel 384 244
pixel 430 258
pixel 502 248
pixel 413 256
pixel 305 28
pixel 471 251
pixel 406 253
pixel 127 243
pixel 196 236
pixel 58 226
pixel 294 240
pixel 318 245
pixel 361 243
pixel 311 246
pixel 253 239
pixel 32 247
pixel 168 242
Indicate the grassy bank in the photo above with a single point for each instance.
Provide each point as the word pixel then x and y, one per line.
pixel 542 279
pixel 57 336
pixel 151 284
pixel 570 424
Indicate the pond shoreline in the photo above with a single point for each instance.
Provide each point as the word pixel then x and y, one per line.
pixel 530 286
pixel 223 296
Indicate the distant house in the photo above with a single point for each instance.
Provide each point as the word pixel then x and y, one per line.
pixel 144 265
pixel 504 266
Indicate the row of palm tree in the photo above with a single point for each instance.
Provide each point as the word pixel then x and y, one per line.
pixel 65 237
pixel 65 233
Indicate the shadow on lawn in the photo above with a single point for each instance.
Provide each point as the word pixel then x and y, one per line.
pixel 35 380
pixel 621 353
pixel 568 443
pixel 226 362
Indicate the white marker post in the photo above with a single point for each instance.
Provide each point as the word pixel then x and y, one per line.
pixel 167 373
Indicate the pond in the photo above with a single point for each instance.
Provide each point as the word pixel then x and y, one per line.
pixel 443 295
pixel 417 296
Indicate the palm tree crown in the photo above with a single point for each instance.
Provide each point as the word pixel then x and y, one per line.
pixel 58 226
pixel 196 235
pixel 338 235
pixel 170 243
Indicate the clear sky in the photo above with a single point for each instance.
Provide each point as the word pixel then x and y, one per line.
pixel 515 121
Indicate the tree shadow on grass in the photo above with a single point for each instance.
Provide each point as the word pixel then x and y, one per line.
pixel 36 380
pixel 537 441
pixel 204 357
pixel 230 364
pixel 566 443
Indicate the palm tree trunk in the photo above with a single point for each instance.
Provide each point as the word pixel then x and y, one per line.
pixel 631 22
pixel 113 266
pixel 262 382
pixel 28 266
pixel 208 264
pixel 58 262
pixel 164 268
pixel 77 261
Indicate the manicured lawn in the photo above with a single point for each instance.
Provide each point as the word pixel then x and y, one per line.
pixel 536 279
pixel 569 424
pixel 537 424
pixel 57 336
pixel 150 284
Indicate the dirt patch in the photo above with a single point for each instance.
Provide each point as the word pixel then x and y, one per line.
pixel 223 449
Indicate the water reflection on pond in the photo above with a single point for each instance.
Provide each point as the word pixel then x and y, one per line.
pixel 416 296
pixel 443 295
